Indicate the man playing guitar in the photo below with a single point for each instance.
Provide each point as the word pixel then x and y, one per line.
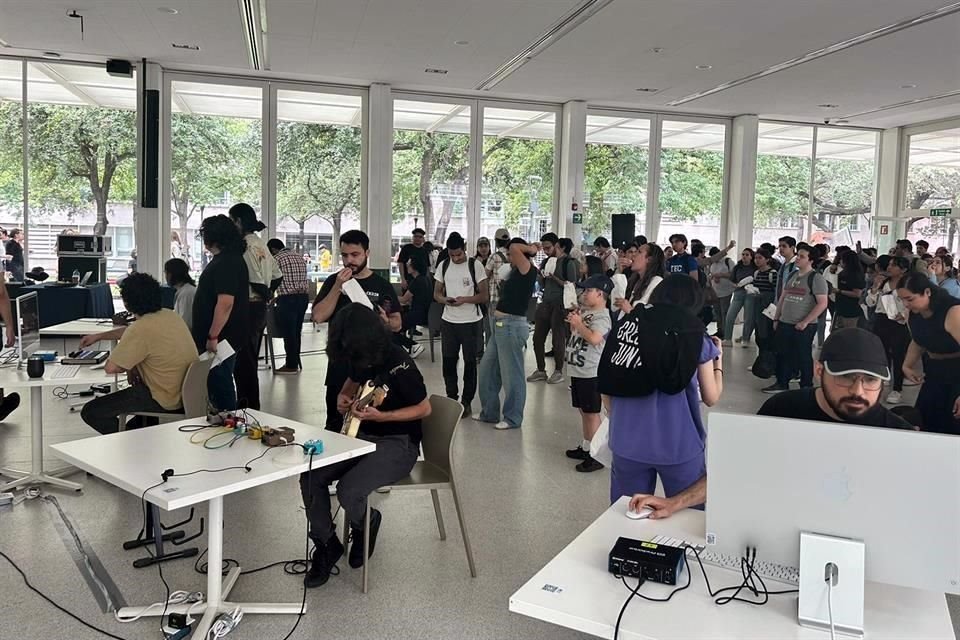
pixel 359 336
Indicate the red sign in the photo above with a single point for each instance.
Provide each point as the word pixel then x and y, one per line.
pixel 884 230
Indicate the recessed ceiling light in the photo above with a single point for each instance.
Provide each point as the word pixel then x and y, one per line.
pixel 168 10
pixel 53 55
pixel 656 50
pixel 647 90
pixel 842 122
pixel 190 47
pixel 908 86
pixel 828 106
pixel 704 67
pixel 432 70
pixel 461 43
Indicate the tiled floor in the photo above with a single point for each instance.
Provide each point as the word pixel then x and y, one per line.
pixel 522 499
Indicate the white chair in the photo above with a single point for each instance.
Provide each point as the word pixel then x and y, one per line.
pixel 193 393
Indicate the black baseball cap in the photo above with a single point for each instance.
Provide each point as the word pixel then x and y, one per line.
pixel 603 283
pixel 849 351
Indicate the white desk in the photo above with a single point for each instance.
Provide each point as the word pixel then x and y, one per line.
pixel 590 598
pixel 77 328
pixel 134 460
pixel 16 378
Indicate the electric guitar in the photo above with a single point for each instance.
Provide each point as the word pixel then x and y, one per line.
pixel 369 394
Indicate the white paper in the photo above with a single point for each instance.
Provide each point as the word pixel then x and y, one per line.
pixel 751 290
pixel 224 351
pixel 619 286
pixel 569 295
pixel 504 271
pixel 600 444
pixel 550 266
pixel 356 293
pixel 745 281
pixel 770 311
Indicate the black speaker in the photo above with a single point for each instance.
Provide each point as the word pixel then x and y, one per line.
pixel 35 367
pixel 66 265
pixel 119 68
pixel 150 172
pixel 624 229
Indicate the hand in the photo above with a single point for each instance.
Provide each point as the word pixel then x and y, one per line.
pixel 134 377
pixel 383 316
pixel 453 302
pixel 625 262
pixel 731 245
pixel 718 344
pixel 575 320
pixel 343 402
pixel 776 323
pixel 956 408
pixel 459 300
pixel 369 414
pixel 403 285
pixel 662 507
pixel 11 337
pixel 212 344
pixel 916 377
pixel 86 341
pixel 343 275
pixel 624 305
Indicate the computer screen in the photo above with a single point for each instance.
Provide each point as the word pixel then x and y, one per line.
pixel 897 490
pixel 28 324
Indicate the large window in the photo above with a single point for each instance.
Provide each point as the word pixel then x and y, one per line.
pixel 431 169
pixel 614 173
pixel 215 135
pixel 843 186
pixel 11 145
pixel 691 180
pixel 518 167
pixel 784 165
pixel 932 182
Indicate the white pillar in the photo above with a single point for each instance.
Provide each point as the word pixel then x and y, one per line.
pixel 738 223
pixel 573 137
pixel 887 200
pixel 376 218
pixel 150 227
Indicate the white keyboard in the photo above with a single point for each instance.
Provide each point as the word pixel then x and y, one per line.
pixel 65 371
pixel 766 570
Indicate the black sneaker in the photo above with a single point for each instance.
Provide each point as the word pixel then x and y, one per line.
pixel 324 557
pixel 8 405
pixel 356 537
pixel 578 453
pixel 467 410
pixel 775 388
pixel 589 465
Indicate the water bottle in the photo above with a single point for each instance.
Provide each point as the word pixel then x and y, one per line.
pixel 76 277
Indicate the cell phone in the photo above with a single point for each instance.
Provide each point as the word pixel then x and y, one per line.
pixel 451 300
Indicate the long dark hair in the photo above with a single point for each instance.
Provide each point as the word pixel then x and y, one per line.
pixel 918 284
pixel 247 217
pixel 221 232
pixel 178 272
pixel 679 290
pixel 656 266
pixel 850 262
pixel 359 336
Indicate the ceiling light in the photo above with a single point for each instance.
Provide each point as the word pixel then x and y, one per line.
pixel 704 67
pixel 53 55
pixel 908 86
pixel 432 70
pixel 828 106
pixel 841 122
pixel 656 50
pixel 190 47
pixel 168 10
pixel 646 90
pixel 461 43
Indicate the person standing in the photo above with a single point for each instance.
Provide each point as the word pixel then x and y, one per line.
pixel 803 299
pixel 417 247
pixel 177 275
pixel 331 300
pixel 461 287
pixel 502 364
pixel 417 298
pixel 851 282
pixel 290 304
pixel 221 305
pixel 648 270
pixel 681 261
pixel 740 299
pixel 14 249
pixel 264 276
pixel 602 249
pixel 721 273
pixel 890 320
pixel 497 264
pixel 550 312
pixel 942 275
pixel 788 253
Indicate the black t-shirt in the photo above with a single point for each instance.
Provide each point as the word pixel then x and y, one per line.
pixel 225 274
pixel 741 271
pixel 846 306
pixel 516 291
pixel 407 251
pixel 422 290
pixel 801 404
pixel 379 291
pixel 405 388
pixel 15 251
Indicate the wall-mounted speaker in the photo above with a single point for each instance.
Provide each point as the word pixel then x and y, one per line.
pixel 150 165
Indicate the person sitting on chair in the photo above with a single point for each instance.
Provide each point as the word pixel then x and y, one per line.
pixel 155 352
pixel 358 336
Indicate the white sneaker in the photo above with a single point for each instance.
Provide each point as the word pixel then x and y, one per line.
pixel 726 343
pixel 416 351
pixel 503 426
pixel 894 398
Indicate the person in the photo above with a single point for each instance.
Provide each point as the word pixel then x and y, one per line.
pixel 417 247
pixel 176 247
pixel 290 304
pixel 14 249
pixel 852 370
pixel 661 433
pixel 803 299
pixel 935 337
pixel 417 298
pixel 331 299
pixel 461 287
pixel 942 275
pixel 648 270
pixel 359 337
pixel 923 248
pixel 593 266
pixel 851 283
pixel 550 313
pixel 176 272
pixel 589 326
pixel 132 262
pixel 221 305
pixel 155 351
pixel 788 261
pixel 265 276
pixel 497 263
pixel 890 320
pixel 483 254
pixel 502 363
pixel 9 401
pixel 325 258
pixel 627 254
pixel 681 261
pixel 601 249
pixel 739 299
pixel 941 251
pixel 721 273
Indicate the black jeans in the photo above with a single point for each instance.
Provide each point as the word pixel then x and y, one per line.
pixel 102 413
pixel 337 374
pixel 248 356
pixel 289 314
pixel 455 338
pixel 549 317
pixel 794 351
pixel 896 340
pixel 357 479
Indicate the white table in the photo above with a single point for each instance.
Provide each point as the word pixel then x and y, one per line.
pixel 134 460
pixel 77 328
pixel 575 591
pixel 12 377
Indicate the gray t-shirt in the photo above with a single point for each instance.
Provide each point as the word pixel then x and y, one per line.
pixel 798 297
pixel 566 270
pixel 583 358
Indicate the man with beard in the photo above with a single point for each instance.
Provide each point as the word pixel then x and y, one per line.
pixel 852 369
pixel 354 252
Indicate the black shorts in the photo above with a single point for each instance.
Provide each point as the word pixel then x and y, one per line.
pixel 585 393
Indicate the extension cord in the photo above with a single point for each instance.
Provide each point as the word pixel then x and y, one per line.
pixel 224 623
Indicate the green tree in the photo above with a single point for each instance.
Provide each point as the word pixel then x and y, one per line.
pixel 519 171
pixel 615 181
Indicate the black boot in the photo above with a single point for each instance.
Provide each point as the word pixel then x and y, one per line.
pixel 9 403
pixel 325 556
pixel 356 537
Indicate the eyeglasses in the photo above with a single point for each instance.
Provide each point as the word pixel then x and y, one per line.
pixel 870 383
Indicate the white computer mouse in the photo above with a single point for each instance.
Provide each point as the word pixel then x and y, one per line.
pixel 639 515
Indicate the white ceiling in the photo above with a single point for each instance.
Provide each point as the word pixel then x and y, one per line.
pixel 602 61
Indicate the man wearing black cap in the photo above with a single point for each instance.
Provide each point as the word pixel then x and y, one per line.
pixel 407 251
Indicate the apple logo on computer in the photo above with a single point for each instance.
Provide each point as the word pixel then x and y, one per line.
pixel 836 486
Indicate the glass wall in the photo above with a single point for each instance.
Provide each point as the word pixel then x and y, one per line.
pixel 215 161
pixel 933 181
pixel 615 173
pixel 784 166
pixel 843 189
pixel 11 147
pixel 518 171
pixel 691 180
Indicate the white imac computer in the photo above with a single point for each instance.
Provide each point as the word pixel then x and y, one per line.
pixel 890 495
pixel 27 321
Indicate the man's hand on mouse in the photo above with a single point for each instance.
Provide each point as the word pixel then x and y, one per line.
pixel 661 507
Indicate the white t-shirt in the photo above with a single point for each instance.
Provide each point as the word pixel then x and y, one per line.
pixel 458 283
pixel 262 267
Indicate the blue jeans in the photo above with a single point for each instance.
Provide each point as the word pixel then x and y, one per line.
pixel 223 395
pixel 502 367
pixel 628 477
pixel 740 300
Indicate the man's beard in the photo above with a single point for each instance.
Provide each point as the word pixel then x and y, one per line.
pixel 848 407
pixel 357 270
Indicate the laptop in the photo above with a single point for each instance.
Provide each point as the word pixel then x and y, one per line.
pixel 86 278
